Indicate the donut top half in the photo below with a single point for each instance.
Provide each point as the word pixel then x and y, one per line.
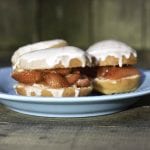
pixel 113 53
pixel 37 46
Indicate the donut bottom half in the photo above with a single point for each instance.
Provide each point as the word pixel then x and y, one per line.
pixel 45 91
pixel 123 85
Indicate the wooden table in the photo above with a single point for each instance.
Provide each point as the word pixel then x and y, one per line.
pixel 126 130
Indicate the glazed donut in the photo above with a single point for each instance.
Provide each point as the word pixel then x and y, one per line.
pixel 37 46
pixel 62 57
pixel 55 72
pixel 115 73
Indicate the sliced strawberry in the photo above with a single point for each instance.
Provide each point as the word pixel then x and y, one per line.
pixel 55 80
pixel 72 78
pixel 84 81
pixel 116 72
pixel 27 77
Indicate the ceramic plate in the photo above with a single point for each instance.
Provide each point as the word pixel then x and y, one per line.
pixel 92 105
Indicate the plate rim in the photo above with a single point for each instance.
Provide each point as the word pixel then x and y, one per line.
pixel 99 98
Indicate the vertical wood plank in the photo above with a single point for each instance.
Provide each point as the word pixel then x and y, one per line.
pixel 65 19
pixel 119 19
pixel 17 24
pixel 146 25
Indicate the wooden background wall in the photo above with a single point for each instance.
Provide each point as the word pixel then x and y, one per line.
pixel 80 22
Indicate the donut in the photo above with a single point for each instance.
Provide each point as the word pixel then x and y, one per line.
pixel 115 72
pixel 53 72
pixel 37 46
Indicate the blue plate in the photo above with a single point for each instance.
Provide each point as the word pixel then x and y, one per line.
pixel 92 105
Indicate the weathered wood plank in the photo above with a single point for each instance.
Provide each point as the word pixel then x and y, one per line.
pixel 146 25
pixel 6 53
pixel 119 19
pixel 144 59
pixel 65 19
pixel 95 138
pixel 18 22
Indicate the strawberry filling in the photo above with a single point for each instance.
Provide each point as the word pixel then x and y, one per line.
pixel 114 73
pixel 55 78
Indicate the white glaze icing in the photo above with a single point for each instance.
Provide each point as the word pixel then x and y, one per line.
pixel 34 89
pixel 56 92
pixel 36 46
pixel 77 90
pixel 37 89
pixel 48 58
pixel 114 48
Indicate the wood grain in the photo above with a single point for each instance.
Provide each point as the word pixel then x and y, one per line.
pixel 95 138
pixel 65 19
pixel 17 26
pixel 18 23
pixel 118 19
pixel 146 25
